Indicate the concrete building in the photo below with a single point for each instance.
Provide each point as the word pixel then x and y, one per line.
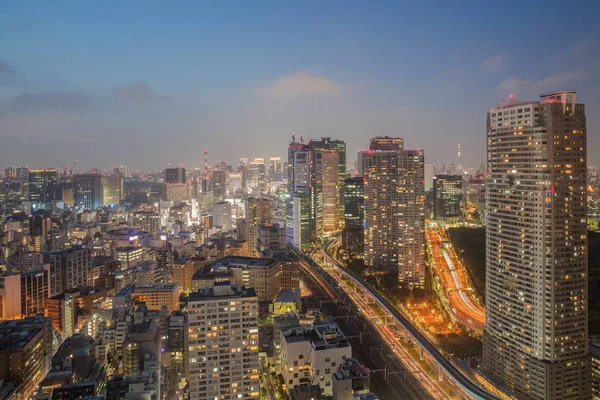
pixel 311 354
pixel 128 256
pixel 536 248
pixel 221 213
pixel 158 295
pixel 261 274
pixel 395 209
pixel 177 192
pixel 148 221
pixel 223 358
pixel 69 269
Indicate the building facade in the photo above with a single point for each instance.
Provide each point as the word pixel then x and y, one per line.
pixel 536 248
pixel 394 209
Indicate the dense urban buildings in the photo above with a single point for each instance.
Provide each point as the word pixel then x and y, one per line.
pixel 394 209
pixel 536 248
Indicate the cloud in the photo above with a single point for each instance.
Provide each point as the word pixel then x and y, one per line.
pixel 555 81
pixel 50 101
pixel 551 82
pixel 512 83
pixel 7 69
pixel 302 83
pixel 494 63
pixel 138 92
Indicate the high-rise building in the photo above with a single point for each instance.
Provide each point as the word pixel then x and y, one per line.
pixel 298 230
pixel 327 172
pixel 175 175
pixel 257 175
pixel 394 209
pixel 113 189
pixel 258 211
pixel 219 184
pixel 69 269
pixel 223 360
pixel 42 185
pixel 447 197
pixel 275 169
pixel 88 192
pixel 221 213
pixel 328 144
pixel 354 198
pixel 536 248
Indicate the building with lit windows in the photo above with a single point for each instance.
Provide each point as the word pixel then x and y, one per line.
pixel 69 269
pixel 42 185
pixel 327 144
pixel 447 197
pixel 222 339
pixel 354 209
pixel 158 295
pixel 536 339
pixel 327 173
pixel 88 191
pixel 394 209
pixel 312 354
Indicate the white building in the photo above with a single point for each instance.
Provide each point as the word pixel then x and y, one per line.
pixel 223 343
pixel 536 248
pixel 222 215
pixel 311 354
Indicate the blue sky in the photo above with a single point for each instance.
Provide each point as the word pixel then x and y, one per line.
pixel 144 83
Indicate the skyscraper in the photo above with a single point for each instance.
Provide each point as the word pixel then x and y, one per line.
pixel 42 185
pixel 536 248
pixel 328 177
pixel 223 343
pixel 88 191
pixel 175 175
pixel 112 188
pixel 339 147
pixel 447 196
pixel 354 197
pixel 219 184
pixel 394 209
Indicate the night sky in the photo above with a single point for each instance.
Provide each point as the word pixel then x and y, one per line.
pixel 144 83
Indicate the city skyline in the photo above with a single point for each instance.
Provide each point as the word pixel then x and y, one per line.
pixel 374 74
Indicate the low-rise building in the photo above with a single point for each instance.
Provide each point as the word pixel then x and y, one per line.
pixel 158 295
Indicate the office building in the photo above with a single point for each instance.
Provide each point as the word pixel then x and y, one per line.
pixel 10 297
pixel 222 215
pixel 223 360
pixel 148 221
pixel 447 197
pixel 261 274
pixel 175 175
pixel 113 189
pixel 535 341
pixel 354 209
pixel 275 169
pixel 177 192
pixel 158 295
pixel 256 175
pixel 219 184
pixel 69 269
pixel 26 347
pixel 42 185
pixel 394 209
pixel 258 211
pixel 298 230
pixel 88 191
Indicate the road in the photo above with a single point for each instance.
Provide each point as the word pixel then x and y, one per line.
pixel 455 375
pixel 372 350
pixel 453 277
pixel 266 378
pixel 172 380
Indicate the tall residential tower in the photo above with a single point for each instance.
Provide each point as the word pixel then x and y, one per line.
pixel 536 248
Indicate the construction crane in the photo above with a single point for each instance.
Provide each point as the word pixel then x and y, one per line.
pixel 69 170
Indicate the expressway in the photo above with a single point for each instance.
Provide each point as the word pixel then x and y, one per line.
pixel 453 277
pixel 449 369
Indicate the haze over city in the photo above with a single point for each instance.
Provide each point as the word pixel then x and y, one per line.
pixel 169 80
